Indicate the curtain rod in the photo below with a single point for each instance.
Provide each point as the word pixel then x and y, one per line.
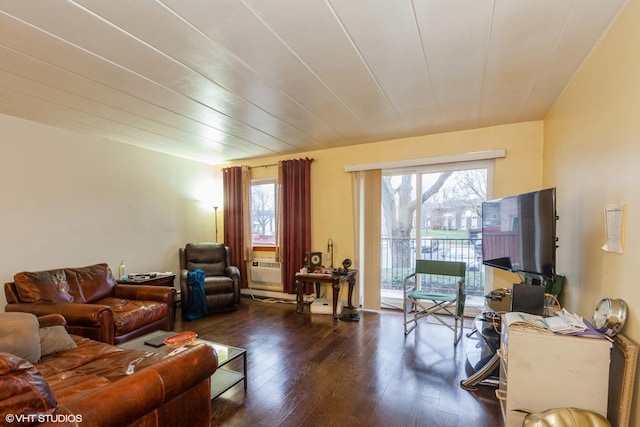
pixel 276 164
pixel 452 158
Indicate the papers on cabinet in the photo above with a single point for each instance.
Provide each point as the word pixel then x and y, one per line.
pixel 562 322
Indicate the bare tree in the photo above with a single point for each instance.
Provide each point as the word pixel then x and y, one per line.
pixel 262 208
pixel 465 190
pixel 471 188
pixel 399 209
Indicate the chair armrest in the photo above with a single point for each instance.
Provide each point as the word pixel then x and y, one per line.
pixel 184 289
pixel 231 271
pixel 234 273
pixel 52 320
pixel 409 277
pixel 145 293
pixel 92 315
pixel 406 280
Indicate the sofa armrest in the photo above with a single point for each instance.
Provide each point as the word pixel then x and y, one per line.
pixel 88 320
pixel 147 389
pixel 23 390
pixel 145 293
pixel 75 314
pixel 52 320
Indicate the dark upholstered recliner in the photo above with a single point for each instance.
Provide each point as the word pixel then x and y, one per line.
pixel 222 281
pixel 93 304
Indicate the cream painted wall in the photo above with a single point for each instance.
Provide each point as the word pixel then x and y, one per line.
pixel 331 186
pixel 71 200
pixel 591 152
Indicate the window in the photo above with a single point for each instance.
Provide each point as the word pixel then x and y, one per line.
pixel 264 212
pixel 433 213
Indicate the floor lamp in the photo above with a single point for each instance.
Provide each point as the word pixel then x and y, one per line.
pixel 215 209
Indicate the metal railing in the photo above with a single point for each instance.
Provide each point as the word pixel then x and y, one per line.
pixel 399 255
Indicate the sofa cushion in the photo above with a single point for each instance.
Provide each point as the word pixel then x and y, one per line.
pixel 130 315
pixel 23 390
pixel 215 285
pixel 45 286
pixel 19 335
pixel 80 285
pixel 54 339
pixel 90 366
pixel 91 283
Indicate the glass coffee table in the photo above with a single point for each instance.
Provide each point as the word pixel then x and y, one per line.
pixel 221 380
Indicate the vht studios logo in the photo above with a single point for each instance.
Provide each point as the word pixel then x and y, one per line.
pixel 42 418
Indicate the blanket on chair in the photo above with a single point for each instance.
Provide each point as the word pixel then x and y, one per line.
pixel 197 303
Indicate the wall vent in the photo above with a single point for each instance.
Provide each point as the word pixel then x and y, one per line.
pixel 266 271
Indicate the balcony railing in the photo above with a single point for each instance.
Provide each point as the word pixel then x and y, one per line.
pixel 399 260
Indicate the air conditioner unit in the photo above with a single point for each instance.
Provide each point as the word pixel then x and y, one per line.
pixel 266 271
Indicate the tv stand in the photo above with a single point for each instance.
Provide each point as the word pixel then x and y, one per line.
pixel 482 358
pixel 482 352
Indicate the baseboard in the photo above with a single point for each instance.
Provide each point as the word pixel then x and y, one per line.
pixel 261 293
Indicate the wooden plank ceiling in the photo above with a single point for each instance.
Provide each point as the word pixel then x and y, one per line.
pixel 222 80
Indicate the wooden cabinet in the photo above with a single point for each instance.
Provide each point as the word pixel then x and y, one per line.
pixel 540 371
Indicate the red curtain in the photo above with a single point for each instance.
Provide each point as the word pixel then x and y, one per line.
pixel 233 219
pixel 295 190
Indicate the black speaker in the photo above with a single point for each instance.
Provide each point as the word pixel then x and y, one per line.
pixel 527 298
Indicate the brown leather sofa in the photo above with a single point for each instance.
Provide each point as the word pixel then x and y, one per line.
pixel 92 302
pixel 222 281
pixel 89 386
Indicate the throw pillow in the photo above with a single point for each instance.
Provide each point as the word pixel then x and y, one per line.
pixel 54 339
pixel 19 335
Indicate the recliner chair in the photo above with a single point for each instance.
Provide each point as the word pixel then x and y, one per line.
pixel 222 281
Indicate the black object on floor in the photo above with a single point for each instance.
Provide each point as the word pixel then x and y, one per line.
pixel 353 317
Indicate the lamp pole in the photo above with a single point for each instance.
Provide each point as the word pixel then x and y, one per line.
pixel 215 209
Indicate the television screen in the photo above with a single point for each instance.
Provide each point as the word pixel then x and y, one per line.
pixel 519 233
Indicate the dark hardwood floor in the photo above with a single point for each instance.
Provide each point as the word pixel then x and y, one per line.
pixel 309 370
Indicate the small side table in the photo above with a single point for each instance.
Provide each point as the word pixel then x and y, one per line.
pixel 335 280
pixel 158 280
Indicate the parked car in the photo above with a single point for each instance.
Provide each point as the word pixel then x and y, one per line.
pixel 429 244
pixel 478 243
pixel 464 254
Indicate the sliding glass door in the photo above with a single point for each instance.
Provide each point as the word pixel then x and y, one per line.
pixel 432 214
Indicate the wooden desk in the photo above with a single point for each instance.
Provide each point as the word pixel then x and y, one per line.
pixel 335 279
pixel 159 280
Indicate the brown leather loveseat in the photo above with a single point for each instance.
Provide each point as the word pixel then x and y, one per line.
pixel 92 302
pixel 89 383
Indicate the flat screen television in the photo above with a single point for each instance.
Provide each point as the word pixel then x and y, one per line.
pixel 519 234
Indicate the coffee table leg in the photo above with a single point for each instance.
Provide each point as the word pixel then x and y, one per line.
pixel 299 296
pixel 245 371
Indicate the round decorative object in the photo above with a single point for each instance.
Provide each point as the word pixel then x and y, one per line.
pixel 346 263
pixel 610 316
pixel 316 259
